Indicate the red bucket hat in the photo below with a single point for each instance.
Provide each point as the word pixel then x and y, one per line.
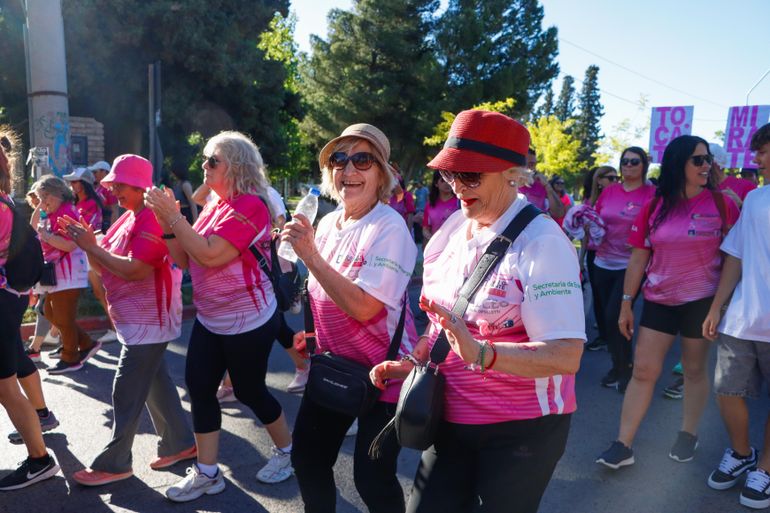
pixel 483 142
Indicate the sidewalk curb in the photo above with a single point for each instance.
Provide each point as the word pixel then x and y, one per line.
pixel 98 323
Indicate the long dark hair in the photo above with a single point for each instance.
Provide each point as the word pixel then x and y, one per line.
pixel 434 192
pixel 642 155
pixel 91 194
pixel 672 181
pixel 588 183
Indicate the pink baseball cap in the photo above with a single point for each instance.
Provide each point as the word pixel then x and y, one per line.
pixel 130 170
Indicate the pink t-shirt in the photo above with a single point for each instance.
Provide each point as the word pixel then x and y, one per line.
pixel 618 209
pixel 739 186
pixel 108 199
pixel 533 294
pixel 403 207
pixel 147 311
pixel 437 214
pixel 235 297
pixel 90 211
pixel 377 254
pixel 685 261
pixel 566 200
pixel 6 224
pixel 536 194
pixel 71 268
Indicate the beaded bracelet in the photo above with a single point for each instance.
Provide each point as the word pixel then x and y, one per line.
pixel 480 359
pixel 176 220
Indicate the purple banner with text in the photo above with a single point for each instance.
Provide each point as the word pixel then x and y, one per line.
pixel 668 123
pixel 742 122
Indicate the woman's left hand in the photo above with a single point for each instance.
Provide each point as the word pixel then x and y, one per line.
pixel 460 339
pixel 300 234
pixel 80 232
pixel 163 205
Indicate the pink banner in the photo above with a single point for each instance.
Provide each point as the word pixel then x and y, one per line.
pixel 742 122
pixel 668 123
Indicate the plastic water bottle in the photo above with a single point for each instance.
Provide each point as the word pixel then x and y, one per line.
pixel 308 207
pixel 43 223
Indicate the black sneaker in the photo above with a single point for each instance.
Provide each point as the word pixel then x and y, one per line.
pixel 731 468
pixel 756 491
pixel 62 367
pixel 29 473
pixel 684 447
pixel 675 390
pixel 85 354
pixel 597 345
pixel 610 380
pixel 47 423
pixel 618 455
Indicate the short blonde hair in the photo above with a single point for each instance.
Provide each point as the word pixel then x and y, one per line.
pixel 386 181
pixel 245 168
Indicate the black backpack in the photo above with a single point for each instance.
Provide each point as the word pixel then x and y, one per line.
pixel 25 255
pixel 285 284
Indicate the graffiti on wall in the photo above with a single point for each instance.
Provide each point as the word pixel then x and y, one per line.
pixel 53 130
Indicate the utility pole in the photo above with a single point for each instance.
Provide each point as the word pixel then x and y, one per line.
pixel 47 98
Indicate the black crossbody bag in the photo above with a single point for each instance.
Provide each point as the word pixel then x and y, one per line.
pixel 420 405
pixel 340 384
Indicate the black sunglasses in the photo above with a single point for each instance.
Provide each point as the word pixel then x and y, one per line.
pixel 611 178
pixel 212 161
pixel 698 160
pixel 630 162
pixel 361 160
pixel 470 180
pixel 558 183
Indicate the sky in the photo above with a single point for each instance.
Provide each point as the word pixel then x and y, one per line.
pixel 705 53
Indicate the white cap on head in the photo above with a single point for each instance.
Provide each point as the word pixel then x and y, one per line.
pixel 720 155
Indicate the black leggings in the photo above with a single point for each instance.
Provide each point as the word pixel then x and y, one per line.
pixel 245 357
pixel 489 468
pixel 596 295
pixel 318 436
pixel 13 359
pixel 609 288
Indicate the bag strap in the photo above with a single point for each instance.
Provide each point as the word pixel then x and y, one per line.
pixel 719 200
pixel 273 271
pixel 494 252
pixel 310 338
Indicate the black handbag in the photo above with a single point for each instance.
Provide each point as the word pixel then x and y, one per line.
pixel 420 405
pixel 48 274
pixel 340 384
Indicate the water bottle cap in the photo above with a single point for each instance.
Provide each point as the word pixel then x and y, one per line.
pixel 314 191
pixel 43 215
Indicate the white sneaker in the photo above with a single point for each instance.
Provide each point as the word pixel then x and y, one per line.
pixel 353 429
pixel 50 340
pixel 277 469
pixel 297 385
pixel 225 394
pixel 108 337
pixel 194 485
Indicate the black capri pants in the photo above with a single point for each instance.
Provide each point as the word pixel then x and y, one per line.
pixel 489 468
pixel 13 358
pixel 245 357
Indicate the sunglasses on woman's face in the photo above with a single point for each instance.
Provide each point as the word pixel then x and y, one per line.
pixel 611 178
pixel 212 161
pixel 630 162
pixel 699 160
pixel 361 160
pixel 470 180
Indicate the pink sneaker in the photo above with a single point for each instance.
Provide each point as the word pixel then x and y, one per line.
pixel 88 477
pixel 167 461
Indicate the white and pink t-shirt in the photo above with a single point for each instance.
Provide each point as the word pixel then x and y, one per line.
pixel 6 225
pixel 377 254
pixel 619 208
pixel 685 262
pixel 436 215
pixel 536 194
pixel 71 268
pixel 90 211
pixel 146 311
pixel 235 297
pixel 533 294
pixel 739 186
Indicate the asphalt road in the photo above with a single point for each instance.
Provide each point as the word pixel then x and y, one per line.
pixel 81 401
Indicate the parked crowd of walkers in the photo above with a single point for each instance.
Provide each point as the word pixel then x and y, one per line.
pixel 507 337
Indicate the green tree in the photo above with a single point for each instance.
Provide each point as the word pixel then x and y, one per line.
pixel 376 66
pixel 587 128
pixel 546 108
pixel 495 49
pixel 565 104
pixel 214 76
pixel 13 85
pixel 557 148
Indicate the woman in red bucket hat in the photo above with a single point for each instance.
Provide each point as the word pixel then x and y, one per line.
pixel 513 354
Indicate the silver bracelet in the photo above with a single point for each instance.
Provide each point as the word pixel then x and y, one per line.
pixel 178 218
pixel 410 358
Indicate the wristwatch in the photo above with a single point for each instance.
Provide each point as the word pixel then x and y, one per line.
pixel 626 297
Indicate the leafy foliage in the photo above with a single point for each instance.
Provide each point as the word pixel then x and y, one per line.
pixel 441 131
pixel 557 148
pixel 565 104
